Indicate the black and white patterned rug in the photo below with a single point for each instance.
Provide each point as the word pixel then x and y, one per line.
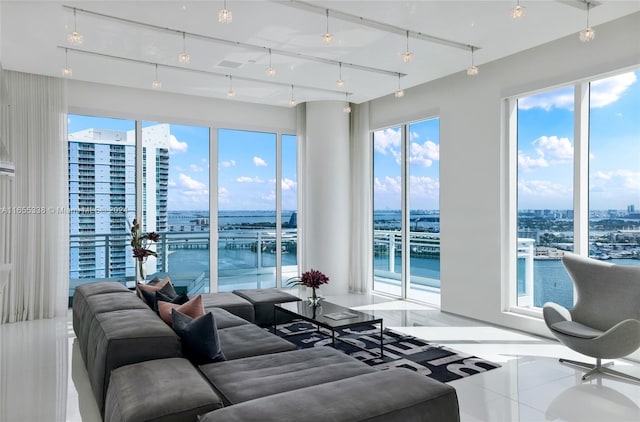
pixel 400 350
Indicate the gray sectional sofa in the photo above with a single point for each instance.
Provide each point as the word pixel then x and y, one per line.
pixel 138 372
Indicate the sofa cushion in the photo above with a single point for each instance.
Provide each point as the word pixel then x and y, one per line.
pixel 250 340
pixel 259 376
pixel 200 341
pixel 193 308
pixel 225 319
pixel 393 395
pixel 100 303
pixel 124 337
pixel 230 302
pixel 164 390
pixel 82 292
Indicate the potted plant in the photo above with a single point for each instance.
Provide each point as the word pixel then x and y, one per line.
pixel 313 279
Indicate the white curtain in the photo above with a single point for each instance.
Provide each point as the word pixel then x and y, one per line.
pixel 361 260
pixel 36 231
pixel 301 126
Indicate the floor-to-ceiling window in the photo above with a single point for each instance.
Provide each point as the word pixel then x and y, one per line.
pixel 251 238
pixel 101 198
pixel 580 141
pixel 257 203
pixel 406 210
pixel 545 195
pixel 175 203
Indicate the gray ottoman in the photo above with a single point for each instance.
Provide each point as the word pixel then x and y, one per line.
pixel 167 390
pixel 259 376
pixel 263 301
pixel 230 302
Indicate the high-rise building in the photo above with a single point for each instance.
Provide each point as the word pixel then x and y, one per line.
pixel 631 209
pixel 102 198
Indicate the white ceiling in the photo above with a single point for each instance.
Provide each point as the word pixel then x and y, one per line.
pixel 123 40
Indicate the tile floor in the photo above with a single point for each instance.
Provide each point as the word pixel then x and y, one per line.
pixel 43 378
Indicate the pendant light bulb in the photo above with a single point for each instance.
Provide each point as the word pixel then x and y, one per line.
pixel 473 69
pixel 67 72
pixel 183 57
pixel 270 70
pixel 399 92
pixel 224 14
pixel 517 12
pixel 327 38
pixel 156 84
pixel 75 37
pixel 340 81
pixel 407 56
pixel 587 34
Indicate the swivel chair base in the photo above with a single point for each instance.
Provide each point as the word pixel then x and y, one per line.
pixel 599 368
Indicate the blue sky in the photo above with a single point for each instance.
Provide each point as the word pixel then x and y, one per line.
pixel 545 146
pixel 424 168
pixel 247 163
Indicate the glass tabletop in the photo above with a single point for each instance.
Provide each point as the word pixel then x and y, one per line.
pixel 328 314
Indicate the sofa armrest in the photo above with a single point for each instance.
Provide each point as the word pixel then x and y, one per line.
pixel 392 395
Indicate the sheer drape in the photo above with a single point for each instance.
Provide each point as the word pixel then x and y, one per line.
pixel 37 229
pixel 361 261
pixel 301 125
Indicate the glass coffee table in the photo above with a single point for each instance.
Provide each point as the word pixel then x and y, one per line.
pixel 329 316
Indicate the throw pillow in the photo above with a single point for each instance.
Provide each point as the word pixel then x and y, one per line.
pixel 193 308
pixel 182 298
pixel 148 293
pixel 199 336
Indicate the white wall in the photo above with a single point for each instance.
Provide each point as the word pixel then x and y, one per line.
pixel 472 164
pixel 327 193
pixel 127 103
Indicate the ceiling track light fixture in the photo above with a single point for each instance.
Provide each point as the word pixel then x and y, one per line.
pixel 183 69
pixel 473 69
pixel 270 70
pixel 587 34
pixel 407 56
pixel 340 81
pixel 75 37
pixel 517 12
pixel 292 101
pixel 399 92
pixel 156 84
pixel 224 14
pixel 327 38
pixel 347 107
pixel 67 72
pixel 184 57
pixel 231 93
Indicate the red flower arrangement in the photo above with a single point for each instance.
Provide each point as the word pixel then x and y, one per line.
pixel 312 278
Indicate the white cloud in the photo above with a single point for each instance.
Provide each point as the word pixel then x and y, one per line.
pixel 229 163
pixel 548 100
pixel 195 168
pixel 247 179
pixel 390 185
pixel 192 184
pixel 554 148
pixel 526 163
pixel 424 187
pixel 609 90
pixel 386 139
pixel 288 184
pixel 616 180
pixel 223 195
pixel 544 189
pixel 259 162
pixel 424 155
pixel 172 183
pixel 176 146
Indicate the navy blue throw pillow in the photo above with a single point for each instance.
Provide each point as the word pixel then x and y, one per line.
pixel 200 340
pixel 181 299
pixel 149 295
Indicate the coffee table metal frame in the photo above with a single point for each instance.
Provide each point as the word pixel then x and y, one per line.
pixel 305 311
